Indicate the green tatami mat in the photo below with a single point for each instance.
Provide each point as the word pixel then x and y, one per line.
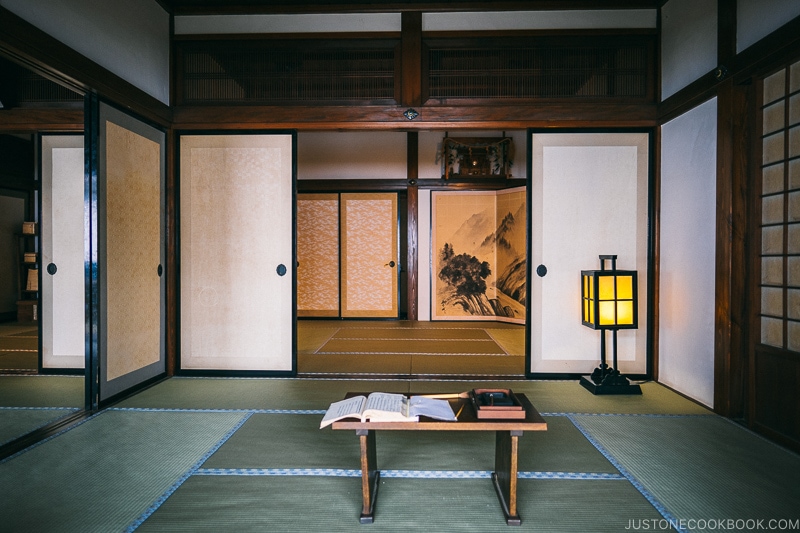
pixel 411 346
pixel 703 467
pixel 17 422
pixel 327 504
pixel 41 391
pixel 102 475
pixel 259 393
pixel 570 397
pixel 295 441
pixel 403 334
pixel 287 441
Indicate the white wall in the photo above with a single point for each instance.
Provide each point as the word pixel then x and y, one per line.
pixel 758 18
pixel 688 43
pixel 128 37
pixel 351 155
pixel 688 243
pixel 391 22
pixel 540 20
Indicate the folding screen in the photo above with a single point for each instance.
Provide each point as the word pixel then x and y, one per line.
pixel 62 251
pixel 318 255
pixel 237 252
pixel 369 255
pixel 589 197
pixel 130 188
pixel 479 261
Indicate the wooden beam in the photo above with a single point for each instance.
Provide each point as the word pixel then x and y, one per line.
pixel 390 118
pixel 22 120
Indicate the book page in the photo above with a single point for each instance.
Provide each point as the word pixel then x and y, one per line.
pixel 386 406
pixel 432 408
pixel 351 407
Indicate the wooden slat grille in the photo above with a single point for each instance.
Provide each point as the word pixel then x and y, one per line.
pixel 257 74
pixel 539 72
pixel 35 90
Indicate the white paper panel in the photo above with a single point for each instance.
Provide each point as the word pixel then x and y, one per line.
pixel 688 253
pixel 236 229
pixel 62 234
pixel 589 198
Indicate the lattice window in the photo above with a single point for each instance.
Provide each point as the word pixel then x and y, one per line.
pixel 238 73
pixel 547 71
pixel 36 90
pixel 780 209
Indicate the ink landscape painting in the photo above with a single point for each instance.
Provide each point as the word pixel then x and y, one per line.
pixel 479 266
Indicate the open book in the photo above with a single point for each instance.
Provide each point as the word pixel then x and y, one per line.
pixel 388 407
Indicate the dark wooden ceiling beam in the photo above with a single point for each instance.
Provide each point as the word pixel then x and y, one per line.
pixel 22 120
pixel 391 118
pixel 253 7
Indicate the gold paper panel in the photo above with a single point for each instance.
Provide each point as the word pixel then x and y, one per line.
pixel 463 231
pixel 133 240
pixel 369 245
pixel 318 255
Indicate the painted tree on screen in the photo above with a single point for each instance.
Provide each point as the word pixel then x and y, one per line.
pixel 466 275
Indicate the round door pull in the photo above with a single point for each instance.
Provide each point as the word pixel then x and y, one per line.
pixel 390 264
pixel 541 271
pixel 160 270
pixel 281 270
pixel 52 269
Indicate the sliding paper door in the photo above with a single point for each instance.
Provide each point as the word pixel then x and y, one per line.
pixel 318 255
pixel 369 255
pixel 589 197
pixel 237 252
pixel 62 234
pixel 130 214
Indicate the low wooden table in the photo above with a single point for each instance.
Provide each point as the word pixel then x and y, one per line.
pixel 505 459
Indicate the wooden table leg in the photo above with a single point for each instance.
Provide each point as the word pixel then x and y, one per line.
pixel 370 476
pixel 505 474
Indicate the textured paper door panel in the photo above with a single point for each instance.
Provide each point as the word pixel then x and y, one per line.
pixel 589 197
pixel 62 234
pixel 133 216
pixel 369 255
pixel 237 275
pixel 318 255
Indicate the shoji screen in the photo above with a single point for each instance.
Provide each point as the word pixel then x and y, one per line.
pixel 237 252
pixel 589 197
pixel 131 171
pixel 63 287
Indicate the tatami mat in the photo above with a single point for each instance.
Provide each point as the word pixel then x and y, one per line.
pixel 312 504
pixel 41 391
pixel 15 422
pixel 234 454
pixel 703 467
pixel 105 473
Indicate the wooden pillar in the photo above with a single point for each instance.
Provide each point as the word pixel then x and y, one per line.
pixel 412 259
pixel 411 59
